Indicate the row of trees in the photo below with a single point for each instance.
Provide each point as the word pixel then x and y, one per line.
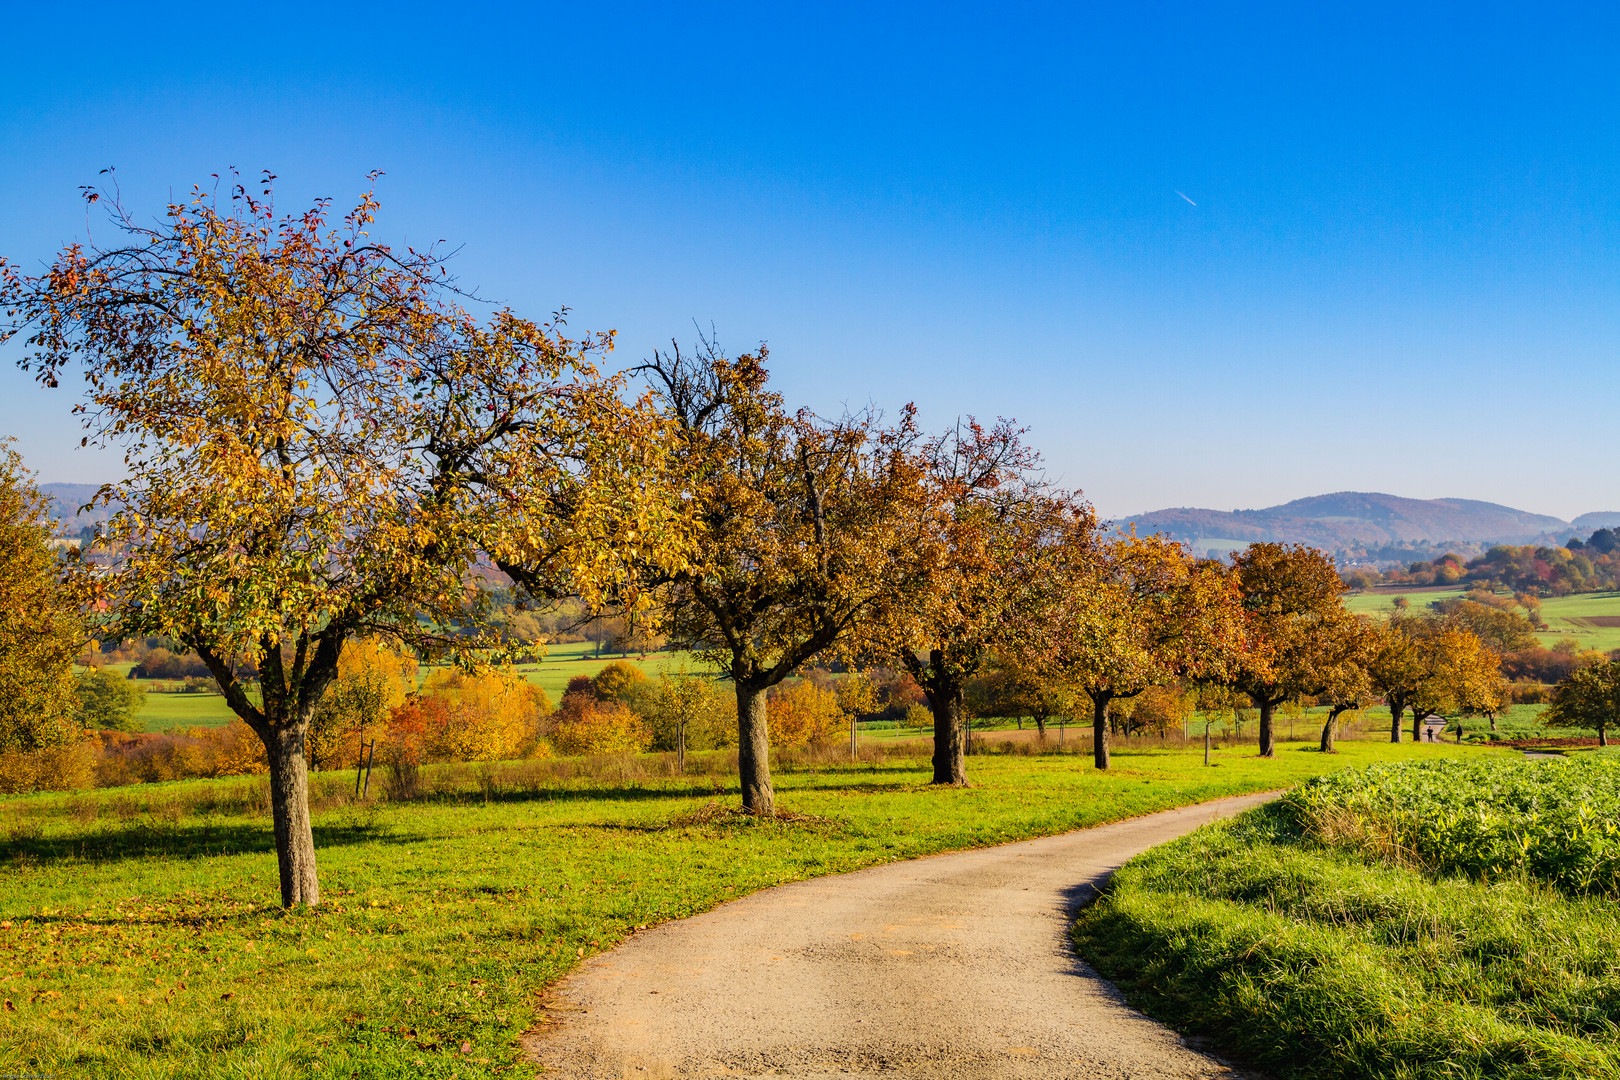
pixel 325 446
pixel 1592 565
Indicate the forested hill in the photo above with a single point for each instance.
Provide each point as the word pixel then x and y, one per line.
pixel 1358 524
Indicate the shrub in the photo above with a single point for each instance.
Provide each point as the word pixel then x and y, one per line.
pixel 804 712
pixel 160 663
pixel 54 768
pixel 585 725
pixel 492 715
pixel 708 710
pixel 917 716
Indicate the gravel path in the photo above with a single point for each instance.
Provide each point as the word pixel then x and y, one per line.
pixel 954 966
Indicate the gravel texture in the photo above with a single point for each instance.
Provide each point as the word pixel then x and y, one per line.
pixel 951 966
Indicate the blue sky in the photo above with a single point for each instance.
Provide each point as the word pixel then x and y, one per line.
pixel 1399 275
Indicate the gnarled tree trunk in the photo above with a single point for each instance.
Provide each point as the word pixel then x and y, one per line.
pixel 1329 728
pixel 1099 728
pixel 754 749
pixel 1397 706
pixel 947 702
pixel 289 810
pixel 1268 733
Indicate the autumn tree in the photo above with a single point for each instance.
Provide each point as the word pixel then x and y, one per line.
pixel 1396 668
pixel 1339 675
pixel 1588 698
pixel 40 630
pixel 1458 671
pixel 803 529
pixel 1130 613
pixel 989 528
pixel 319 442
pixel 1293 606
pixel 1016 690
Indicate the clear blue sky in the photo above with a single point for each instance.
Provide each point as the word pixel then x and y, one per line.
pixel 1399 275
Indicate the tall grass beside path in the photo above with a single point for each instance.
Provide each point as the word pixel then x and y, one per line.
pixel 139 935
pixel 1440 919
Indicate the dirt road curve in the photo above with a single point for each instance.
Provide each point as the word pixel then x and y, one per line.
pixel 952 966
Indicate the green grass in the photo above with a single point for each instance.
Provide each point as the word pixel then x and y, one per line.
pixel 1565 615
pixel 1380 925
pixel 1378 601
pixel 162 712
pixel 563 662
pixel 137 936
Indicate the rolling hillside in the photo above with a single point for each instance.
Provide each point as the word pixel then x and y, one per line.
pixel 1363 525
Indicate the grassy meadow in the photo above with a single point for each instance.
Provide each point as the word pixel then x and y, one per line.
pixel 139 936
pixel 1440 919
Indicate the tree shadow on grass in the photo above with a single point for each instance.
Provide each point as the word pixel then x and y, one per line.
pixel 181 841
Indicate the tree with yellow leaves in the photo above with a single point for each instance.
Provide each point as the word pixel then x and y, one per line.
pixel 803 530
pixel 40 631
pixel 1294 610
pixel 1130 613
pixel 321 445
pixel 986 533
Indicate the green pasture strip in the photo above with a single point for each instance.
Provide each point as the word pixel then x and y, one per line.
pixel 1407 921
pixel 164 712
pixel 1380 601
pixel 139 938
pixel 1566 617
pixel 564 662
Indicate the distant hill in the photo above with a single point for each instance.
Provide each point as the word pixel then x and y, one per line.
pixel 66 500
pixel 1360 525
pixel 1587 524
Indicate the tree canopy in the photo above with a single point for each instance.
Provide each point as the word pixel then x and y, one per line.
pixel 40 629
pixel 320 445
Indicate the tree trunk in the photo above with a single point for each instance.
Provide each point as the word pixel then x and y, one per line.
pixel 754 750
pixel 1417 723
pixel 289 809
pixel 1328 729
pixel 947 703
pixel 1492 718
pixel 1603 734
pixel 1397 706
pixel 1268 737
pixel 1099 729
pixel 1040 728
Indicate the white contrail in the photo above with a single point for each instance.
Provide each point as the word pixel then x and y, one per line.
pixel 1183 194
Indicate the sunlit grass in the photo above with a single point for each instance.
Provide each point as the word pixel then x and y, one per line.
pixel 138 937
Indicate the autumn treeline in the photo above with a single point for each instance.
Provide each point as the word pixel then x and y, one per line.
pixel 328 443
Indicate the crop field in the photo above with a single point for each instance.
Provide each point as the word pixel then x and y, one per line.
pixel 1414 920
pixel 139 935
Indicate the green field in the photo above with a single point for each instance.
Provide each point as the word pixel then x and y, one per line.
pixel 139 938
pixel 1415 921
pixel 563 662
pixel 163 712
pixel 1566 616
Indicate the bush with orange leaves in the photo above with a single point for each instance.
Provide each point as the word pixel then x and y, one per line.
pixel 372 679
pixel 468 716
pixel 587 724
pixel 805 712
